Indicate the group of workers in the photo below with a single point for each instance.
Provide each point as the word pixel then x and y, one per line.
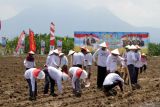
pixel 56 70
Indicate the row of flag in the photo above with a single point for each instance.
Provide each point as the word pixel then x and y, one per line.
pixel 32 43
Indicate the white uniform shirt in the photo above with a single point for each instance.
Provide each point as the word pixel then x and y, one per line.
pixel 124 56
pixel 84 75
pixel 55 61
pixel 49 60
pixel 56 75
pixel 29 75
pixel 29 64
pixel 138 58
pixel 63 61
pixel 112 62
pixel 80 58
pixel 74 58
pixel 102 57
pixel 131 59
pixel 111 78
pixel 89 58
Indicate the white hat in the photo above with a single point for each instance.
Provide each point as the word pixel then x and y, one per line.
pixel 137 46
pixel 132 47
pixel 115 51
pixel 50 52
pixel 31 52
pixel 61 54
pixel 103 44
pixel 127 47
pixel 143 54
pixel 83 48
pixel 88 50
pixel 65 77
pixel 56 51
pixel 71 52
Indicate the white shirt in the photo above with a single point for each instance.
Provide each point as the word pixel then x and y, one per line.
pixel 29 64
pixel 55 60
pixel 112 62
pixel 49 60
pixel 63 61
pixel 29 75
pixel 83 76
pixel 102 57
pixel 138 58
pixel 131 59
pixel 124 63
pixel 56 75
pixel 88 59
pixel 111 78
pixel 79 59
pixel 74 58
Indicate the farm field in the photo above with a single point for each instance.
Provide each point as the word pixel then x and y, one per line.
pixel 14 89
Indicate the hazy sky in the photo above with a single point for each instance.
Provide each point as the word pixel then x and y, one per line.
pixel 139 13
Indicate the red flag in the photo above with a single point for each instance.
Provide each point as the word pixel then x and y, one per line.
pixel 32 43
pixel 52 37
pixel 20 41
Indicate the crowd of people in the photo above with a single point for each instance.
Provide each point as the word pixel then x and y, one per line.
pixel 113 69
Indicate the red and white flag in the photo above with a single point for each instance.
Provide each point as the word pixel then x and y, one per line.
pixel 32 43
pixel 20 41
pixel 52 37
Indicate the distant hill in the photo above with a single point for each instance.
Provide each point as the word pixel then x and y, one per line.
pixel 68 20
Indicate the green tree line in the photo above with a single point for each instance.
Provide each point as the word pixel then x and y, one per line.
pixel 67 43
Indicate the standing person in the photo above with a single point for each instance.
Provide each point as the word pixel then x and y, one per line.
pixel 63 63
pixel 143 63
pixel 124 65
pixel 56 76
pixel 79 60
pixel 113 60
pixel 77 75
pixel 31 75
pixel 29 62
pixel 73 55
pixel 137 64
pixel 55 60
pixel 87 66
pixel 101 55
pixel 131 59
pixel 112 80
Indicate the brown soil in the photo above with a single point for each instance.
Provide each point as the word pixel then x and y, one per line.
pixel 14 89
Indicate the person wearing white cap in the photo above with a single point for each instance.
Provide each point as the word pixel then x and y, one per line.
pixel 137 63
pixel 29 62
pixel 63 63
pixel 101 55
pixel 112 80
pixel 131 59
pixel 143 63
pixel 31 75
pixel 55 59
pixel 124 65
pixel 113 60
pixel 78 74
pixel 88 64
pixel 73 55
pixel 56 76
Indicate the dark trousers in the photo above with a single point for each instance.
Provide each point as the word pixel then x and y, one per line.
pixel 30 88
pixel 101 74
pixel 131 70
pixel 77 85
pixel 46 84
pixel 143 68
pixel 48 81
pixel 136 75
pixel 109 87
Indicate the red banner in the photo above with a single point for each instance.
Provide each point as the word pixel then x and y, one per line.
pixel 32 43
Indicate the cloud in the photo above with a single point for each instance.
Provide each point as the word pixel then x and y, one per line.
pixel 135 12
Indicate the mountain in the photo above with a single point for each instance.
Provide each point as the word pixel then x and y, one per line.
pixel 68 20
